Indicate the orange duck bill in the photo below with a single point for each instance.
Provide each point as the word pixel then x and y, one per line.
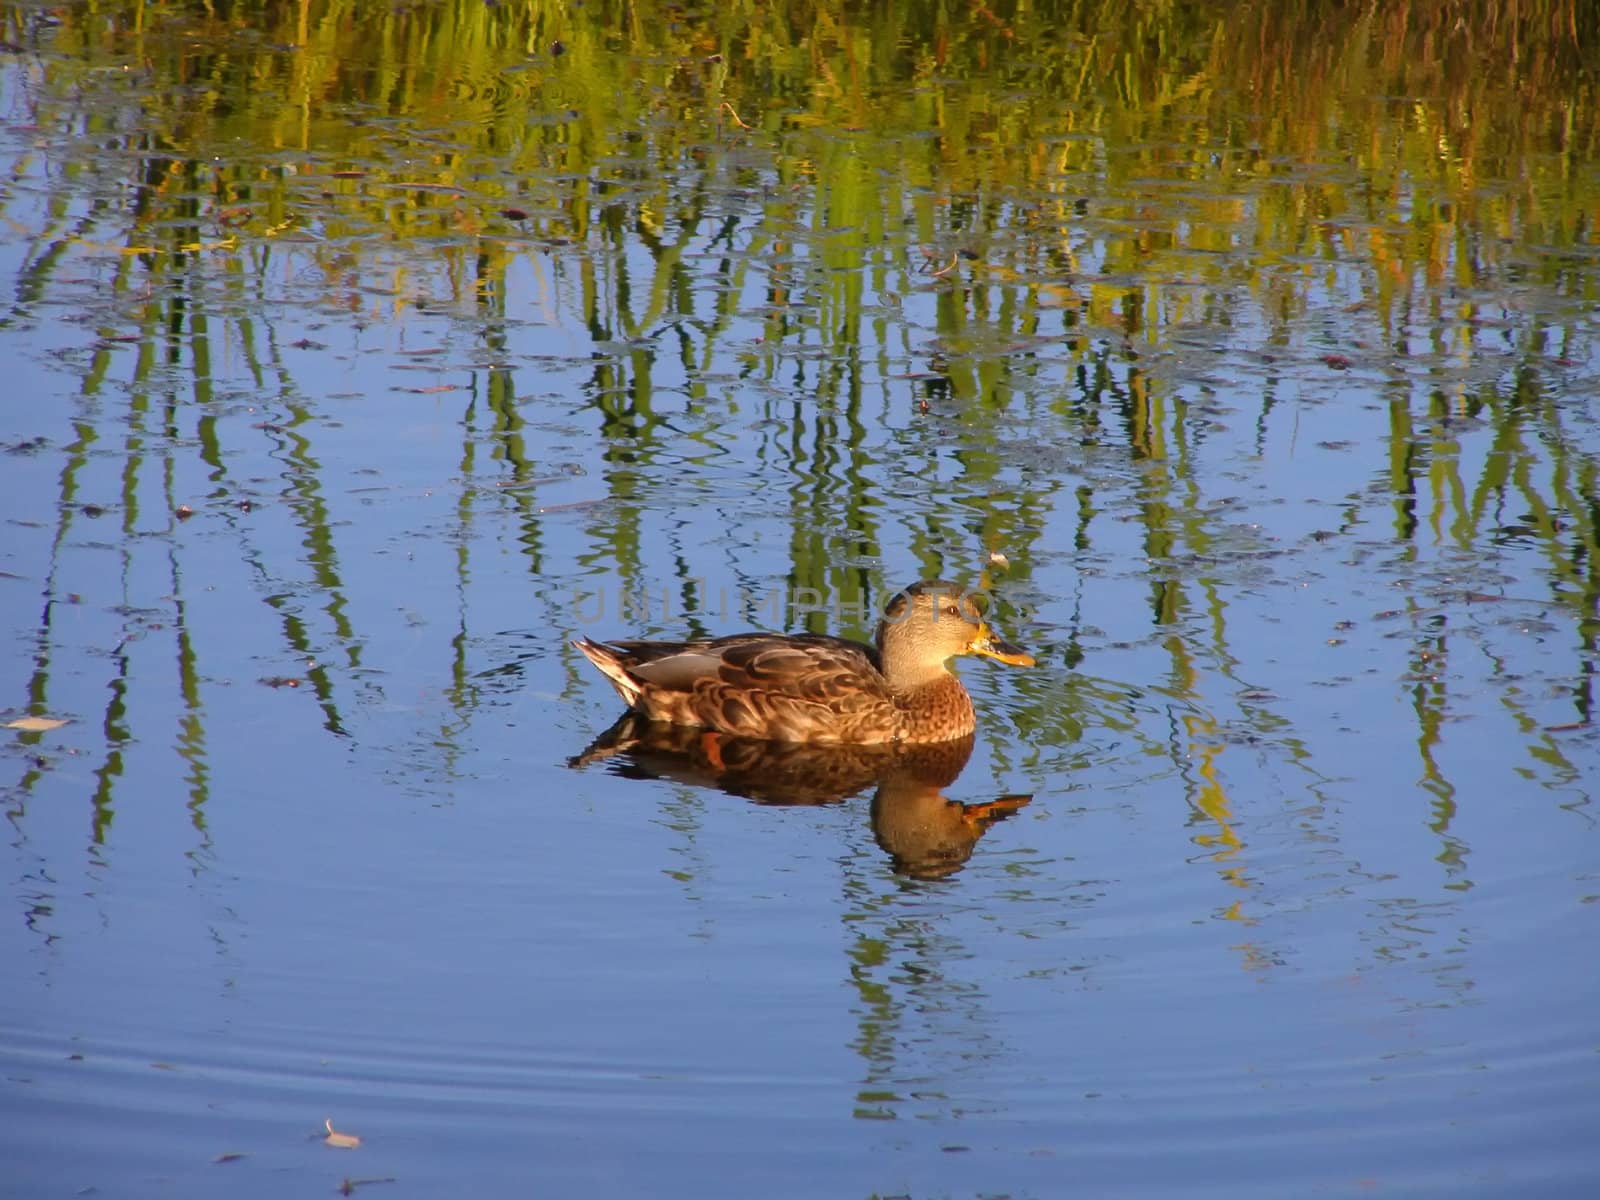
pixel 989 646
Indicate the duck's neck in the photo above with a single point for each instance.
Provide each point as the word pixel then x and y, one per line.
pixel 908 672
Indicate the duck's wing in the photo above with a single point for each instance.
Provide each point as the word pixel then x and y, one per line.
pixel 811 667
pixel 806 687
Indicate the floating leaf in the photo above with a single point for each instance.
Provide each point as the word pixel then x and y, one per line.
pixel 345 1141
pixel 572 505
pixel 35 724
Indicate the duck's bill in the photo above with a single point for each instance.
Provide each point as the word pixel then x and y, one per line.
pixel 990 646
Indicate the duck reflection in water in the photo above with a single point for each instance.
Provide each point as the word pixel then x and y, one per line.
pixel 925 833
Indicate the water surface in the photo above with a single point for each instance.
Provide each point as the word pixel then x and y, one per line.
pixel 360 357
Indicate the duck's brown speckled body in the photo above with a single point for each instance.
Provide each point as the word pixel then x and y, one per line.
pixel 812 688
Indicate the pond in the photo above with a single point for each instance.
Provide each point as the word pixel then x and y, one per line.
pixel 363 356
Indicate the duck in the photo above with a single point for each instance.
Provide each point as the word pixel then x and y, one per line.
pixel 814 688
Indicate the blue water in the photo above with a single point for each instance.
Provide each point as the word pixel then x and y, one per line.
pixel 1302 902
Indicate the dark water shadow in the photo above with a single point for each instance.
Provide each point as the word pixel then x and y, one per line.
pixel 926 834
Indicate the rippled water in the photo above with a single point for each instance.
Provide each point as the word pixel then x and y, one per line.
pixel 1275 877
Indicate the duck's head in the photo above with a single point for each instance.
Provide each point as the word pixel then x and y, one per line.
pixel 931 622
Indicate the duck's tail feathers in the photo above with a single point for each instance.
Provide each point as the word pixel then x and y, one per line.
pixel 611 665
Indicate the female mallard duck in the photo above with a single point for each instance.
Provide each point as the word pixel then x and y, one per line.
pixel 811 688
